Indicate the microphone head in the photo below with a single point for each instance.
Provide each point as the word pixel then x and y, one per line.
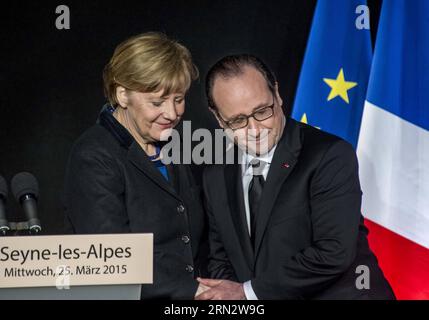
pixel 24 183
pixel 3 188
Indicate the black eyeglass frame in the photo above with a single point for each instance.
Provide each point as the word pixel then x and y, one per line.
pixel 252 115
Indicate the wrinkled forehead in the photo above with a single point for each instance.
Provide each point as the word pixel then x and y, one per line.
pixel 164 93
pixel 241 94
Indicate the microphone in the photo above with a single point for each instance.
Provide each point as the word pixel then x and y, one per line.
pixel 4 225
pixel 25 188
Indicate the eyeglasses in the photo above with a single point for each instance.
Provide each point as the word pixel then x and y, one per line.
pixel 242 121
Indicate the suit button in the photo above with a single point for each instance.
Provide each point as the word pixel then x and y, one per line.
pixel 186 239
pixel 189 268
pixel 180 208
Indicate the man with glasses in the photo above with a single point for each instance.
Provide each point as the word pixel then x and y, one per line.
pixel 285 221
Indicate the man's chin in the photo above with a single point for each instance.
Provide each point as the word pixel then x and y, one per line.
pixel 256 150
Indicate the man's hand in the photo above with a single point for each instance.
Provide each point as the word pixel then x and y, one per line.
pixel 221 290
pixel 201 288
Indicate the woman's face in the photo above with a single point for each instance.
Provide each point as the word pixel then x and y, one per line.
pixel 152 115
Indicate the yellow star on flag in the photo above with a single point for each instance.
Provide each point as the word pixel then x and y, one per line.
pixel 339 86
pixel 304 120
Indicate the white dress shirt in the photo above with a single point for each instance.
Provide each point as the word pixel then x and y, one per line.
pixel 247 176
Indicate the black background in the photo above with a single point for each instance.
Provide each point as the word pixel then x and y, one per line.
pixel 51 84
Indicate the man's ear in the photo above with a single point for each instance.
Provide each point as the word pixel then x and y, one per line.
pixel 278 98
pixel 122 96
pixel 219 120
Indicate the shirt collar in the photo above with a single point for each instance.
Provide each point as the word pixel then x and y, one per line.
pixel 267 157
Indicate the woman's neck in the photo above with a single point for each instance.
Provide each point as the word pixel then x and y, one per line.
pixel 121 115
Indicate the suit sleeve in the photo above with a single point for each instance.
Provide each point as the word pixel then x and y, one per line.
pixel 335 201
pixel 219 266
pixel 94 194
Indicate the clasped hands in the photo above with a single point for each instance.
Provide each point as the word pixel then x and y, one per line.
pixel 213 289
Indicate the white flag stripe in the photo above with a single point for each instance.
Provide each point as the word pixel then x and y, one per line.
pixel 394 173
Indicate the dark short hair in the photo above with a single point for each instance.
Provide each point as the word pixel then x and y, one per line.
pixel 232 66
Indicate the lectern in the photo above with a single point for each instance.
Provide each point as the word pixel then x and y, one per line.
pixel 75 267
pixel 101 292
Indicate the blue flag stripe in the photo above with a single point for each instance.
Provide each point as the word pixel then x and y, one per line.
pixel 399 81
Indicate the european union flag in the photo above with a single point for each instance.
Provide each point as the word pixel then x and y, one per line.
pixel 334 75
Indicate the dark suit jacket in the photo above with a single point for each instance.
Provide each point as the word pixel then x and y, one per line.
pixel 111 186
pixel 310 235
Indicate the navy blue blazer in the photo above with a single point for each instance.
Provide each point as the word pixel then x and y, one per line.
pixel 111 186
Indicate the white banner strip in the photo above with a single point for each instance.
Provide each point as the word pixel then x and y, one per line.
pixel 394 173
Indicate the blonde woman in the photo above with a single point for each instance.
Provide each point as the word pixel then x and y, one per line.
pixel 115 181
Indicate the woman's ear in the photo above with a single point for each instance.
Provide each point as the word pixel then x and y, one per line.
pixel 122 96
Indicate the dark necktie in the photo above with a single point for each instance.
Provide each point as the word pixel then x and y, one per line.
pixel 255 192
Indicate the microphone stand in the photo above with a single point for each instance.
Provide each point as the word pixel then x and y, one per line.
pixel 21 228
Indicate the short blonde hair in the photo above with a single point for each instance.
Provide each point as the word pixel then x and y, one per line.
pixel 149 62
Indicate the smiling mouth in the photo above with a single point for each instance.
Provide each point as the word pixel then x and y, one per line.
pixel 166 125
pixel 258 139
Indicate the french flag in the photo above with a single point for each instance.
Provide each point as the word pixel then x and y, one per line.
pixel 393 148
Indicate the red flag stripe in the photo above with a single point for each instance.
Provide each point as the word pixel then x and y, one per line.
pixel 404 263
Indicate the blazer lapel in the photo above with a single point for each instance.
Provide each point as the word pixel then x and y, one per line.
pixel 174 177
pixel 135 154
pixel 141 161
pixel 283 163
pixel 234 187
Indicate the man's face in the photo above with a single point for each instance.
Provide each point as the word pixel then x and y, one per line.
pixel 244 95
